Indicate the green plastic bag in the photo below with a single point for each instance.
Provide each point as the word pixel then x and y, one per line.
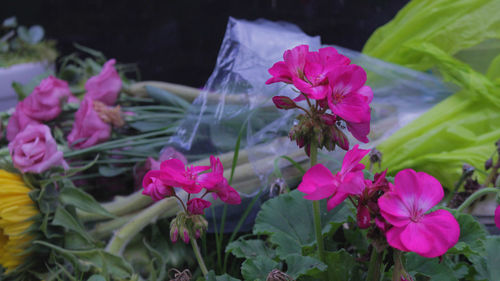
pixel 460 40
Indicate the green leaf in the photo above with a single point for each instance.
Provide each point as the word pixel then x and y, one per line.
pixel 488 264
pixel 166 98
pixel 111 171
pixel 288 220
pixel 250 249
pixel 83 201
pixel 211 277
pixel 298 265
pixel 429 267
pixel 96 277
pixel 258 268
pixel 472 234
pixel 63 218
pixel 342 266
pixel 98 258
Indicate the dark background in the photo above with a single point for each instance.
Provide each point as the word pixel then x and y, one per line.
pixel 178 41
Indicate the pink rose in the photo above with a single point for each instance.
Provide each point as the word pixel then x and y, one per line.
pixel 106 86
pixel 88 128
pixel 44 103
pixel 35 150
pixel 18 121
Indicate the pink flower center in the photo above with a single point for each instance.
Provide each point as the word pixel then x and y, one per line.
pixel 339 93
pixel 415 215
pixel 190 173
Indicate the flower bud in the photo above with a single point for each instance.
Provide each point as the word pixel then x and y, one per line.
pixel 363 217
pixel 339 138
pixel 328 119
pixel 174 233
pixel 488 164
pixel 185 235
pixel 283 102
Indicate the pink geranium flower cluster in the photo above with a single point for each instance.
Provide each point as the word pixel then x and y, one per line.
pixel 329 78
pixel 174 173
pixel 400 211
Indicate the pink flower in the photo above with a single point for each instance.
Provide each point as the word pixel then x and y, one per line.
pixel 497 216
pixel 154 187
pixel 44 103
pixel 152 164
pixel 35 150
pixel 405 206
pixel 175 173
pixel 215 182
pixel 88 128
pixel 349 98
pixel 291 67
pixel 359 130
pixel 317 66
pixel 319 183
pixel 197 206
pixel 106 86
pixel 18 121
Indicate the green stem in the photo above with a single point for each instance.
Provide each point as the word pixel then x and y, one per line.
pixel 374 266
pixel 476 195
pixel 457 186
pixel 398 270
pixel 199 258
pixel 147 216
pixel 316 208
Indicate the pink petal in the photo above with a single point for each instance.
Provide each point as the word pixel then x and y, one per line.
pixel 444 230
pixel 419 191
pixel 316 176
pixel 393 237
pixel 352 108
pixel 416 237
pixel 366 92
pixel 497 216
pixel 280 73
pixel 336 199
pixel 352 159
pixel 359 130
pixel 321 192
pixel 353 183
pixel 393 209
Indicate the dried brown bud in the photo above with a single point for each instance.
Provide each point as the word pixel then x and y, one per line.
pixel 488 164
pixel 277 275
pixel 375 156
pixel 185 275
pixel 108 114
pixel 467 170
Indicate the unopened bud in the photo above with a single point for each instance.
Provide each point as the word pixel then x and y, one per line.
pixel 185 236
pixel 328 119
pixel 488 164
pixel 283 102
pixel 340 138
pixel 467 170
pixel 375 156
pixel 174 234
pixel 363 217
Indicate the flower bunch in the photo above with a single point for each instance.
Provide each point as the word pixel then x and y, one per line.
pixel 32 146
pixel 398 210
pixel 93 118
pixel 174 173
pixel 335 92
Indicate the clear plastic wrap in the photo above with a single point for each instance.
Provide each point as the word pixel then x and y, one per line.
pixel 237 97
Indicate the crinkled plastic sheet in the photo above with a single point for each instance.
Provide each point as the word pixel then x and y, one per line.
pixel 236 95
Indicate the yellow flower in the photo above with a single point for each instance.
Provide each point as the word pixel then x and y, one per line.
pixel 16 211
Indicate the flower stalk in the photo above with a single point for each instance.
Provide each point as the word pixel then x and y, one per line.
pixel 374 266
pixel 476 195
pixel 316 210
pixel 199 258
